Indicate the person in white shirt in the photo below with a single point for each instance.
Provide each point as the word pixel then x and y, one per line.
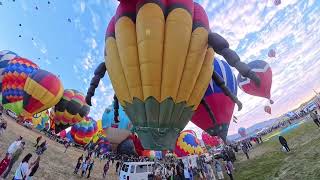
pixel 14 146
pixel 23 169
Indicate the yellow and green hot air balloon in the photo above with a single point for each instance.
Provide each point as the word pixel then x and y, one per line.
pixel 159 56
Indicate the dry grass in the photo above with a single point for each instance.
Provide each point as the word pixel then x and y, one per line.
pixel 54 164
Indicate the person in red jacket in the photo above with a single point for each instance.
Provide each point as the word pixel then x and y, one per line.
pixel 4 164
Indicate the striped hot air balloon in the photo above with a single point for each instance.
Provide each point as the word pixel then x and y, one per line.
pixel 5 57
pixel 70 110
pixel 14 78
pixel 83 131
pixel 42 90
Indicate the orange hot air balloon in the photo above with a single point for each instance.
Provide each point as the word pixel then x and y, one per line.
pixel 42 90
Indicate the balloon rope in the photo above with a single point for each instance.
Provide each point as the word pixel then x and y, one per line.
pixel 207 107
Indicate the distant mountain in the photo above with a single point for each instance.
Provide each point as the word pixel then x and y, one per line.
pixel 255 128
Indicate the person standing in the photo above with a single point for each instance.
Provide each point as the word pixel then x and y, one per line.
pixel 3 127
pixel 90 167
pixel 218 168
pixel 229 169
pixel 22 171
pixel 284 143
pixel 15 158
pixel 106 169
pixel 14 146
pixel 34 168
pixel 315 117
pixel 78 165
pixel 37 141
pixel 4 163
pixel 245 151
pixel 84 167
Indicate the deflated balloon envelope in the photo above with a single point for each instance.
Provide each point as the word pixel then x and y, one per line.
pixel 159 63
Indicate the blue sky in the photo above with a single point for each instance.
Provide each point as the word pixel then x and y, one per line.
pixel 74 49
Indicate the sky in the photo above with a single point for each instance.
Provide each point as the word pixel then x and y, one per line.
pixel 73 49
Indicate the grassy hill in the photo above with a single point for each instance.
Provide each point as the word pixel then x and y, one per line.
pixel 269 162
pixel 54 164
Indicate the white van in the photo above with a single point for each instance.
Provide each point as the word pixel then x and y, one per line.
pixel 136 170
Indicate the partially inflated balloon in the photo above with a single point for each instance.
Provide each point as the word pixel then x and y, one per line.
pixel 70 110
pixel 211 141
pixel 126 147
pixel 187 144
pixel 40 120
pixel 83 131
pixel 5 57
pixel 14 78
pixel 137 143
pixel 220 104
pixel 264 72
pixel 116 131
pixel 42 90
pixel 159 63
pixel 242 132
pixel 104 145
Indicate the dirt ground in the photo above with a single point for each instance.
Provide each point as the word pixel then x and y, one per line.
pixel 54 164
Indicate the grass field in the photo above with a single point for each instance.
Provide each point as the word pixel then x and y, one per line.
pixel 269 162
pixel 54 164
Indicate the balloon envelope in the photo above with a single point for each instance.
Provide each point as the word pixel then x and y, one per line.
pixel 242 132
pixel 104 145
pixel 159 65
pixel 40 120
pixel 187 144
pixel 5 57
pixel 42 90
pixel 14 78
pixel 264 72
pixel 83 131
pixel 220 104
pixel 70 110
pixel 267 109
pixel 211 141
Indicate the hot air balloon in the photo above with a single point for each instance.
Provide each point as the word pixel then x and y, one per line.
pixel 242 132
pixel 126 147
pixel 83 131
pixel 14 78
pixel 158 55
pixel 211 141
pixel 117 127
pixel 272 53
pixel 42 90
pixel 187 144
pixel 40 120
pixel 267 109
pixel 104 145
pixel 70 110
pixel 5 57
pixel 221 105
pixel 264 71
pixel 151 154
pixel 276 2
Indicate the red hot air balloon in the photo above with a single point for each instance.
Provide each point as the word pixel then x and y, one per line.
pixel 272 53
pixel 267 109
pixel 264 72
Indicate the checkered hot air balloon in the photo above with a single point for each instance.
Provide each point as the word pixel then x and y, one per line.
pixel 70 110
pixel 264 72
pixel 187 144
pixel 14 78
pixel 220 104
pixel 83 131
pixel 42 90
pixel 5 57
